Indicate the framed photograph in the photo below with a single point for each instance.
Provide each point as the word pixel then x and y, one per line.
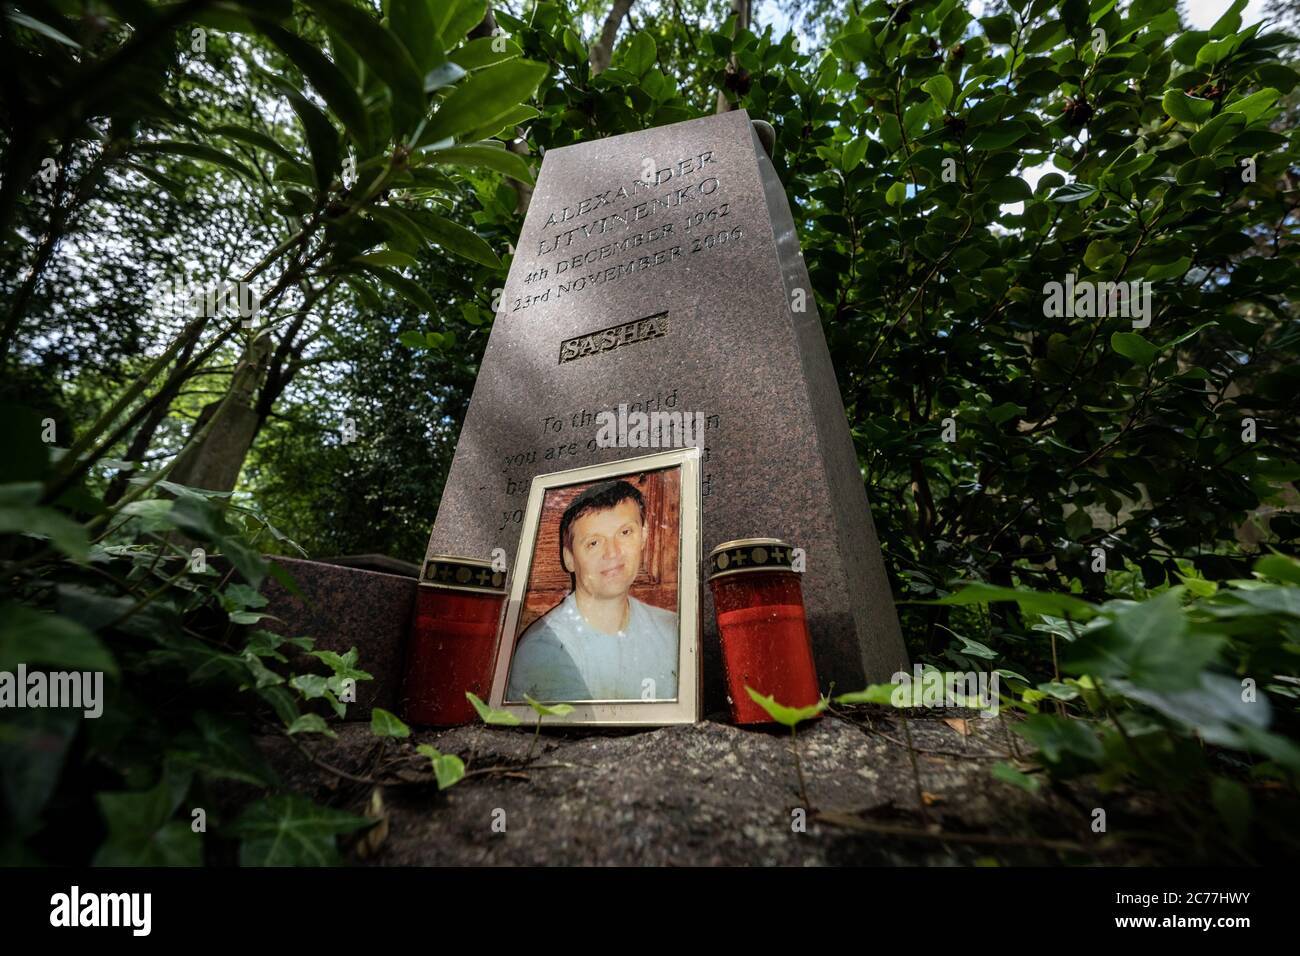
pixel 603 607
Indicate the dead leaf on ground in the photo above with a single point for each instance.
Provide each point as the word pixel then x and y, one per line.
pixel 959 724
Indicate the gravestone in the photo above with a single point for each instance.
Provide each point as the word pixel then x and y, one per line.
pixel 661 270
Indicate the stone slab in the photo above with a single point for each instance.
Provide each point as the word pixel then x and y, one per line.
pixel 345 607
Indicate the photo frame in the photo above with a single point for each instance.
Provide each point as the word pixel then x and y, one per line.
pixel 626 536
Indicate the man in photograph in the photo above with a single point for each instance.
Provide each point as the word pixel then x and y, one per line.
pixel 599 643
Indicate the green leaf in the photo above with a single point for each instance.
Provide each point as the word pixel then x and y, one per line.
pixel 385 257
pixel 322 141
pixel 1056 737
pixel 1098 251
pixel 455 18
pixel 871 694
pixel 1147 642
pixel 484 52
pixel 638 53
pixel 999 28
pixel 253 138
pixel 503 125
pixel 290 830
pixel 1211 705
pixel 1074 192
pixel 1001 136
pixel 896 193
pixel 1230 22
pixel 199 151
pixel 1037 602
pixel 1134 348
pixel 383 723
pixel 483 156
pixel 445 74
pixel 44 29
pixel 489 715
pixel 64 533
pixel 1008 774
pixel 28 636
pixel 448 769
pixel 1279 566
pixel 329 81
pixel 552 710
pixel 383 53
pixel 482 98
pixel 454 238
pixel 140 829
pixel 789 716
pixel 854 150
pixel 1189 110
pixel 413 23
pixel 940 89
pixel 1255 105
pixel 399 283
pixel 310 724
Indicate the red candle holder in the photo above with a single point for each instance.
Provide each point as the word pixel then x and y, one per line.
pixel 453 644
pixel 761 623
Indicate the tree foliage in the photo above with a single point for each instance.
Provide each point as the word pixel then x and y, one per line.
pixel 1091 489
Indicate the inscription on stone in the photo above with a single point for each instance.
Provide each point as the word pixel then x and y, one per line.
pixel 606 340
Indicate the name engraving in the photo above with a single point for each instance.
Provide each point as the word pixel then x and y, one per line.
pixel 606 340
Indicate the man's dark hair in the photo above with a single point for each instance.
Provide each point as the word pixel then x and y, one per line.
pixel 599 497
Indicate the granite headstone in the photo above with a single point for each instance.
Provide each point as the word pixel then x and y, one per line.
pixel 661 270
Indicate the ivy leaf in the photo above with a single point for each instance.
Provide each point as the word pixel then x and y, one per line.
pixel 551 710
pixel 448 769
pixel 28 636
pixel 1008 774
pixel 1037 602
pixel 871 694
pixel 290 830
pixel 310 724
pixel 788 716
pixel 384 723
pixel 65 534
pixel 492 716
